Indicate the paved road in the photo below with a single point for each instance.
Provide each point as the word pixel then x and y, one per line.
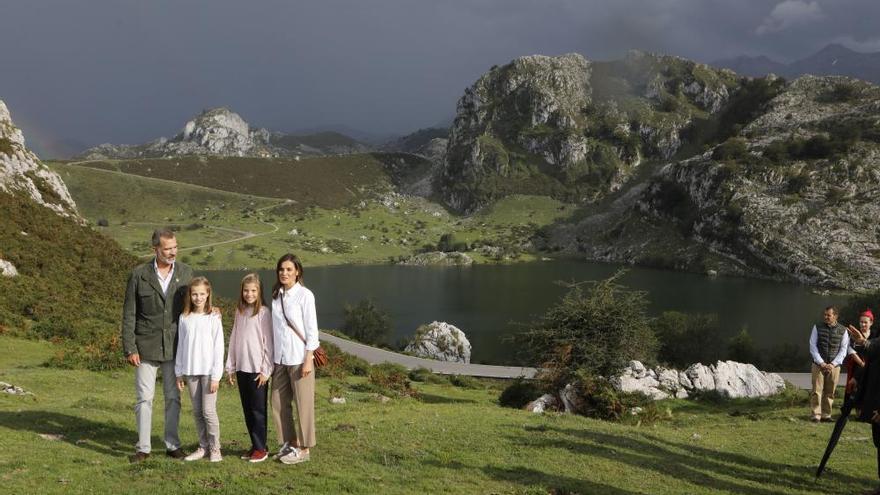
pixel 374 355
pixel 802 380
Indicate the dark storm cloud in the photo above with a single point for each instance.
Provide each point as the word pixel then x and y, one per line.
pixel 78 73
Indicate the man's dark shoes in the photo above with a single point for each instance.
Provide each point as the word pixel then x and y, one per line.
pixel 176 453
pixel 138 457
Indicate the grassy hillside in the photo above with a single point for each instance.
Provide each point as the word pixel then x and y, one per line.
pixel 445 440
pixel 220 229
pixel 69 284
pixel 327 181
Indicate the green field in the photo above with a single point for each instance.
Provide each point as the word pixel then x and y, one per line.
pixel 327 181
pixel 446 440
pixel 221 229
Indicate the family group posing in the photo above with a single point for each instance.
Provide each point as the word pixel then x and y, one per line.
pixel 170 323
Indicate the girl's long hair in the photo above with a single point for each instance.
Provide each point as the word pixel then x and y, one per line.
pixel 251 278
pixel 187 303
pixel 299 272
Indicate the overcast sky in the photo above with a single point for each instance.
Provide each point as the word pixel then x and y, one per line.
pixel 77 73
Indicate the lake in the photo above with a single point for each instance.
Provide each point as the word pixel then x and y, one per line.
pixel 490 302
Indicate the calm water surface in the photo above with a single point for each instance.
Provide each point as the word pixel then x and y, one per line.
pixel 490 302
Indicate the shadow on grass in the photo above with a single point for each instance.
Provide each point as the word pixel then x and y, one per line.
pixel 700 466
pixel 101 437
pixel 529 477
pixel 439 399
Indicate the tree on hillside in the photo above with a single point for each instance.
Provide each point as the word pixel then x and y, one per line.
pixel 367 323
pixel 592 331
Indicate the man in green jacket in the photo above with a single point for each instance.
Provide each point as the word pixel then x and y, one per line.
pixel 153 302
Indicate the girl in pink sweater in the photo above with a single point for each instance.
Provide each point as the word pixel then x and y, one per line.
pixel 250 361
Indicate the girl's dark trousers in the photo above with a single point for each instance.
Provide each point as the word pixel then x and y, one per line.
pixel 253 403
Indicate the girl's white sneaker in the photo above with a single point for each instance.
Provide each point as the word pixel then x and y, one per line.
pixel 198 454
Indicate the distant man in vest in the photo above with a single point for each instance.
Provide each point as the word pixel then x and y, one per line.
pixel 829 341
pixel 153 303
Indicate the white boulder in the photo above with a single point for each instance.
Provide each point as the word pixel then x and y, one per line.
pixel 541 404
pixel 7 269
pixel 441 341
pixel 736 380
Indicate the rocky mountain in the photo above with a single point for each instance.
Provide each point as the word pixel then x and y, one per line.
pixel 834 59
pixel 676 164
pixel 571 128
pixel 222 132
pixel 792 196
pixel 21 171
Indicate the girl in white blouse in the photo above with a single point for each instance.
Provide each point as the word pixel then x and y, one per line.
pixel 249 361
pixel 295 333
pixel 199 364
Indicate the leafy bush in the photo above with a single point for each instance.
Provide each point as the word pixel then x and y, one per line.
pixel 519 393
pixel 341 364
pixel 685 339
pixel 599 399
pixel 465 381
pixel 797 183
pixel 339 246
pixel 840 93
pixel 673 198
pixel 424 375
pixel 786 357
pixel 451 243
pixel 367 323
pixel 595 332
pixel 741 348
pixel 732 149
pixel 390 379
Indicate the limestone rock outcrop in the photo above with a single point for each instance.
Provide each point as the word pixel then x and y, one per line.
pixel 441 341
pixel 572 128
pixel 22 171
pixel 222 132
pixel 728 378
pixel 801 202
pixel 438 258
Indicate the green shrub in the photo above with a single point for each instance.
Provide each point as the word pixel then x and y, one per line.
pixel 390 379
pixel 449 243
pixel 686 339
pixel 786 356
pixel 599 399
pixel 339 246
pixel 741 348
pixel 341 364
pixel 519 393
pixel 465 381
pixel 424 375
pixel 797 183
pixel 840 93
pixel 367 323
pixel 732 149
pixel 594 332
pixel 7 147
